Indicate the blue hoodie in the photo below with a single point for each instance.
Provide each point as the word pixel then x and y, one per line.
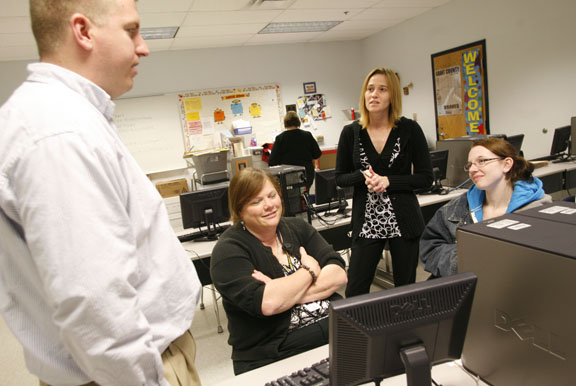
pixel 525 191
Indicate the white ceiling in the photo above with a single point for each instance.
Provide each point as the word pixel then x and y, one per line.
pixel 227 23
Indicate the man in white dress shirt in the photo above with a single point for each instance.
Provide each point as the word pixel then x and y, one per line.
pixel 93 281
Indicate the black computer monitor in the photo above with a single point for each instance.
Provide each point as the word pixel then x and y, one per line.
pixel 328 193
pixel 439 160
pixel 516 142
pixel 404 329
pixel 205 208
pixel 560 142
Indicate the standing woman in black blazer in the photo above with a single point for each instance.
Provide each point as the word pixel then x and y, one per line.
pixel 385 157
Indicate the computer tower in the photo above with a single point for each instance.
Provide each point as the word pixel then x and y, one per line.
pixel 292 180
pixel 559 211
pixel 521 329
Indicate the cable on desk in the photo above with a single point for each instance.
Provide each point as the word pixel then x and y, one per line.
pixel 321 218
pixel 475 377
pixel 459 186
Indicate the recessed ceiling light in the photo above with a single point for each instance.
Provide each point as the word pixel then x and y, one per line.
pixel 159 33
pixel 299 26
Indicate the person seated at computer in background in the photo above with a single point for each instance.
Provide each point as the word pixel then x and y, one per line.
pixel 295 147
pixel 503 183
pixel 276 276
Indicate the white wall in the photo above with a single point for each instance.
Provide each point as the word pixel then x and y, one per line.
pixel 531 62
pixel 333 66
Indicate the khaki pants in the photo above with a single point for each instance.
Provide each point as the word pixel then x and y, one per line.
pixel 178 361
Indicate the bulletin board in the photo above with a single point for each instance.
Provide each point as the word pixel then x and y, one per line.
pixel 158 130
pixel 461 91
pixel 205 113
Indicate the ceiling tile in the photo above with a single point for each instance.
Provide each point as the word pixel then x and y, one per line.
pixel 410 3
pixel 172 19
pixel 297 37
pixel 203 42
pixel 333 4
pixel 223 23
pixel 159 44
pixel 390 13
pixel 227 17
pixel 317 15
pixel 221 5
pixel 164 5
pixel 220 30
pixel 372 25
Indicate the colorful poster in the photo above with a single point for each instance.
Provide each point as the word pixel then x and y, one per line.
pixel 192 104
pixel 313 106
pixel 219 116
pixel 237 107
pixel 255 110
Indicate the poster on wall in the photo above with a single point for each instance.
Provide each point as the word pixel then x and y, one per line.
pixel 461 91
pixel 313 106
pixel 205 113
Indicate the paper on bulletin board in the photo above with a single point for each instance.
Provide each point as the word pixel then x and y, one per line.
pixel 206 111
pixel 448 86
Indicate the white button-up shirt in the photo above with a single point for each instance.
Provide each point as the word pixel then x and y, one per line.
pixel 93 281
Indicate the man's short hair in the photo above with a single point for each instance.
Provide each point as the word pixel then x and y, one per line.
pixel 50 19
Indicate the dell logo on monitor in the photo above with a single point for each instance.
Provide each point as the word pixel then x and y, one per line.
pixel 531 333
pixel 410 306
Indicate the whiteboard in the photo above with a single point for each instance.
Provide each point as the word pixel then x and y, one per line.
pixel 150 129
pixel 157 130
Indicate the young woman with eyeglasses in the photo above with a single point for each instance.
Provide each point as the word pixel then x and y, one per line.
pixel 503 183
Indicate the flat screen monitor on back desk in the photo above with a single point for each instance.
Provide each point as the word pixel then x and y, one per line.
pixel 328 195
pixel 204 210
pixel 439 159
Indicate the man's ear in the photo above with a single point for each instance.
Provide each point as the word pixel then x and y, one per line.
pixel 82 30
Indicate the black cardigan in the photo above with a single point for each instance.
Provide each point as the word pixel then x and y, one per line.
pixel 254 336
pixel 403 181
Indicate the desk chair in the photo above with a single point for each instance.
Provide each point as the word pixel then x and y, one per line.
pixel 203 269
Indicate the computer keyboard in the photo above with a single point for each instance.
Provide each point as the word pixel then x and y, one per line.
pixel 317 374
pixel 200 234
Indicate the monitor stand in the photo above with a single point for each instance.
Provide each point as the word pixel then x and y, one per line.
pixel 210 234
pixel 563 158
pixel 436 187
pixel 417 365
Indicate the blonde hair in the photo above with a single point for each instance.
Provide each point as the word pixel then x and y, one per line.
pixel 246 184
pixel 50 18
pixel 395 110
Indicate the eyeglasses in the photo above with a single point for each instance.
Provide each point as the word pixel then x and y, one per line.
pixel 480 163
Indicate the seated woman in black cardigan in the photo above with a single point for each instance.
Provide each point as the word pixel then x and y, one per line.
pixel 276 276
